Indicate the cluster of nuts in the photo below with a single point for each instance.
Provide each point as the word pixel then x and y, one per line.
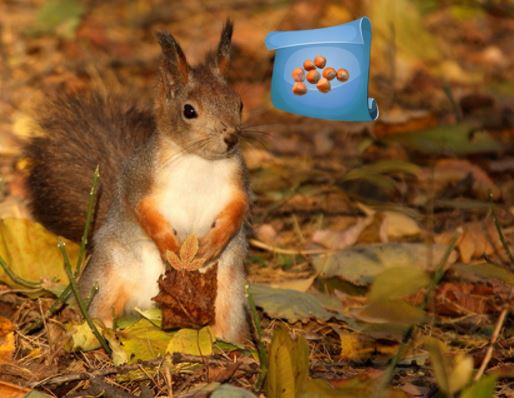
pixel 314 77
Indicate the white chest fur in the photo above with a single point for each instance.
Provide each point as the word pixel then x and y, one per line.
pixel 192 191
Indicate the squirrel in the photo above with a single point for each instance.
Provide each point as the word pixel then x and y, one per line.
pixel 165 174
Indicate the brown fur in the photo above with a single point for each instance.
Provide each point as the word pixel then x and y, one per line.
pixel 81 132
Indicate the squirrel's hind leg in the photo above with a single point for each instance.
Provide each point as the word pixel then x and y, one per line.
pixel 110 301
pixel 230 318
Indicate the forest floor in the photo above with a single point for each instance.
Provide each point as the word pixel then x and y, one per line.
pixel 338 206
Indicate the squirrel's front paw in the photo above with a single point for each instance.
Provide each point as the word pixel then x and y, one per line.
pixel 209 250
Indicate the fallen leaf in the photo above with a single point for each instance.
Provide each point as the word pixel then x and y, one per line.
pixel 192 341
pixel 341 239
pixel 289 304
pixel 397 225
pixel 484 271
pixel 476 240
pixel 361 264
pixel 229 391
pixel 391 312
pixel 31 253
pixel 449 171
pixel 300 285
pixel 397 282
pixel 142 341
pixel 7 342
pixel 82 338
pixel 454 139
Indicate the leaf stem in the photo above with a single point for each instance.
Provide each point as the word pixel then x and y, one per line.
pixel 82 306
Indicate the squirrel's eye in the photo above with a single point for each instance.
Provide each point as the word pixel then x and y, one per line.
pixel 190 111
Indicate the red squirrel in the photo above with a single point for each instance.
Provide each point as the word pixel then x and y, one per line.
pixel 165 175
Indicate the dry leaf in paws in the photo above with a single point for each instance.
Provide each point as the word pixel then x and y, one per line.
pixel 187 297
pixel 187 253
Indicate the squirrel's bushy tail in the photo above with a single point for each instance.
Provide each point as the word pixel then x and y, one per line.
pixel 80 132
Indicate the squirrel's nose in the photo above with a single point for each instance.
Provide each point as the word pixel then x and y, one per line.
pixel 231 140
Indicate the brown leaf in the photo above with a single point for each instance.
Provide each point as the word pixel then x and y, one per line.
pixel 189 249
pixel 7 346
pixel 187 297
pixel 450 171
pixel 478 239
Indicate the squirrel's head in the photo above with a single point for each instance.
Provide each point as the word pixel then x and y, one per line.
pixel 195 105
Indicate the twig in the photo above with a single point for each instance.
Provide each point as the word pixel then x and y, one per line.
pixel 404 345
pixel 17 279
pixel 492 342
pixel 67 267
pixel 261 245
pixel 91 204
pixel 176 358
pixel 261 350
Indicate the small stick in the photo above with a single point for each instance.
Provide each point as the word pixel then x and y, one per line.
pixel 492 342
pixel 261 245
pixel 67 267
pixel 501 235
pixel 17 279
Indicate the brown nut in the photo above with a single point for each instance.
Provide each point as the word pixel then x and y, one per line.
pixel 329 73
pixel 342 74
pixel 320 61
pixel 313 76
pixel 323 85
pixel 298 75
pixel 299 88
pixel 308 65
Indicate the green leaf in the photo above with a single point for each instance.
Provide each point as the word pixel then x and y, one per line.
pixel 484 271
pixel 380 168
pixel 153 314
pixel 60 16
pixel 361 264
pixel 398 282
pixel 483 388
pixel 391 312
pixel 290 305
pixel 31 253
pixel 230 391
pixel 455 139
pixel 143 340
pixel 450 377
pixel 192 341
pixel 35 394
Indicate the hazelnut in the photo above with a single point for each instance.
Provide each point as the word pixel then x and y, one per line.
pixel 299 88
pixel 298 75
pixel 342 74
pixel 313 76
pixel 320 61
pixel 329 73
pixel 323 85
pixel 308 65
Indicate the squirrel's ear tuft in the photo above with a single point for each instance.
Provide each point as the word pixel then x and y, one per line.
pixel 223 52
pixel 175 65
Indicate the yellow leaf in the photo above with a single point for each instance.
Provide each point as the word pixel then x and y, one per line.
pixel 396 225
pixel 191 341
pixel 354 347
pixel 31 252
pixel 461 373
pixel 82 338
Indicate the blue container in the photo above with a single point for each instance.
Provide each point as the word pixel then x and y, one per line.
pixel 344 46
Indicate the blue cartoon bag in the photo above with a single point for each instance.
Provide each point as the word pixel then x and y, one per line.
pixel 323 73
